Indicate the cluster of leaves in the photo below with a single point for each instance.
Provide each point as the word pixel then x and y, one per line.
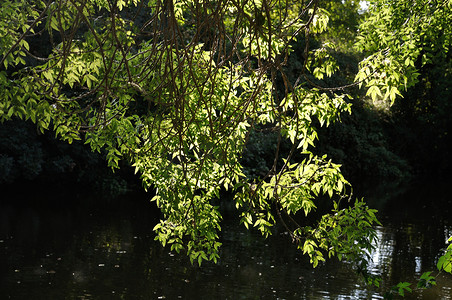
pixel 337 234
pixel 177 95
pixel 400 37
pixel 445 261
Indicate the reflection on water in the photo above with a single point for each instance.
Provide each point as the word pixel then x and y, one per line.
pixel 89 249
pixel 395 259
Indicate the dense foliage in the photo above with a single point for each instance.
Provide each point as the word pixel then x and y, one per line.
pixel 178 88
pixel 409 48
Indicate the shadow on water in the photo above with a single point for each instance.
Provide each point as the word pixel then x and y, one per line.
pixel 70 246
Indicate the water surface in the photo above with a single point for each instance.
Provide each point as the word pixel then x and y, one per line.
pixel 69 246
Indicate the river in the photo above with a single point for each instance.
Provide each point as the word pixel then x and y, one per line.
pixel 70 246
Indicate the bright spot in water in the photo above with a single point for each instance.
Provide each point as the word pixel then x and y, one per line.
pixel 418 261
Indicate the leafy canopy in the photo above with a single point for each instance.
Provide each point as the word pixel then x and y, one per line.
pixel 175 87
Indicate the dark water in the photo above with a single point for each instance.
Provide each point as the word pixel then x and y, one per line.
pixel 70 246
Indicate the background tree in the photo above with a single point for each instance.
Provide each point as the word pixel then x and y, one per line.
pixel 416 50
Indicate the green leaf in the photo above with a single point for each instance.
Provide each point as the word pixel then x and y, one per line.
pixel 426 281
pixel 393 93
pixel 374 91
pixel 402 287
pixel 10 111
pixel 24 43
